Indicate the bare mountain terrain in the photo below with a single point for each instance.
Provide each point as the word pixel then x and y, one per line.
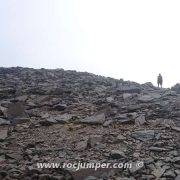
pixel 59 116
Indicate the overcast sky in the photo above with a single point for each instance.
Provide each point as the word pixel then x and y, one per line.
pixel 130 39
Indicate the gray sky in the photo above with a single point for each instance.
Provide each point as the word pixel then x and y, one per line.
pixel 133 40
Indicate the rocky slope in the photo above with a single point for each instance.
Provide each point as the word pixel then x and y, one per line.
pixel 68 116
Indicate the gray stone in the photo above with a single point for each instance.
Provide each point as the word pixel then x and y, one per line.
pixel 47 176
pixel 2 159
pixel 176 128
pixel 157 149
pixel 109 99
pixel 82 145
pixel 107 123
pixel 20 120
pixel 126 96
pixel 124 119
pixel 177 104
pixel 124 178
pixel 121 116
pixel 176 113
pixel 3 111
pixel 148 98
pixel 4 122
pixel 145 98
pixel 169 174
pixel 48 122
pixel 90 178
pixel 120 138
pixel 3 134
pixel 149 160
pixel 129 89
pixel 60 107
pixel 176 160
pixel 147 177
pixel 141 120
pixel 159 171
pixel 94 140
pixel 177 171
pixel 136 167
pixel 64 118
pixel 144 135
pixel 177 177
pixel 116 154
pixel 94 120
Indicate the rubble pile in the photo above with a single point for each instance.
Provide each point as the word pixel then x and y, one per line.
pixel 67 116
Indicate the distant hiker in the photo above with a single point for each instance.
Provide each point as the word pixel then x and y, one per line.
pixel 159 80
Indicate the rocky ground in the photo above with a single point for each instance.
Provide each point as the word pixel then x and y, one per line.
pixel 68 116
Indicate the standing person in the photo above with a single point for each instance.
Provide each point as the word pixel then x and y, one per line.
pixel 160 80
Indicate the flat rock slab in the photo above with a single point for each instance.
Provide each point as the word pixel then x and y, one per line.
pixel 144 135
pixel 20 120
pixel 48 122
pixel 177 129
pixel 4 122
pixel 129 89
pixel 148 98
pixel 157 149
pixel 125 118
pixel 64 118
pixel 95 119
